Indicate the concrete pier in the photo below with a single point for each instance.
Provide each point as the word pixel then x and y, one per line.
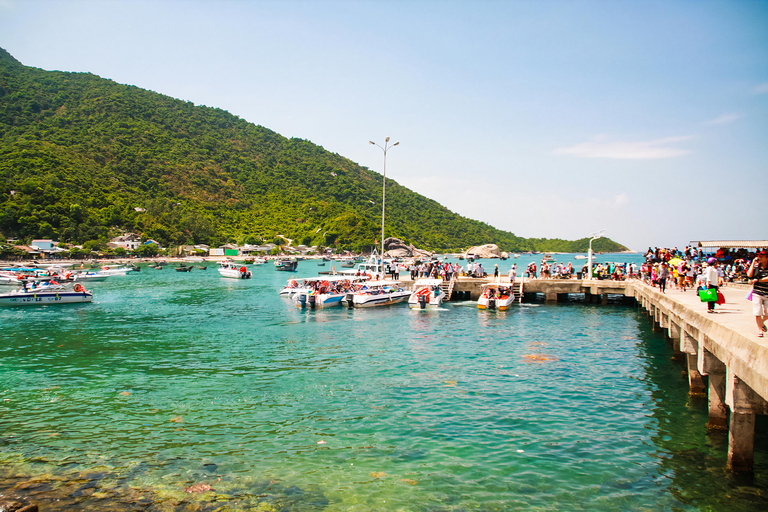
pixel 724 359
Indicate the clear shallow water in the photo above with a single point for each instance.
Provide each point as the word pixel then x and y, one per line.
pixel 172 379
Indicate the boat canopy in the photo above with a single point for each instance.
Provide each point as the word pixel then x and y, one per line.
pixel 382 283
pixel 428 282
pixel 732 244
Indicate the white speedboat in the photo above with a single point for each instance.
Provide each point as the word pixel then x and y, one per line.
pixel 426 293
pixel 579 257
pixel 116 270
pixel 259 261
pixel 230 269
pixel 377 293
pixel 498 296
pixel 89 276
pixel 43 295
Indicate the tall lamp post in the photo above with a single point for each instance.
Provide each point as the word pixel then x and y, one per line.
pixel 385 148
pixel 595 236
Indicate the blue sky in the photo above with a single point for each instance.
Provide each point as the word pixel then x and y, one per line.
pixel 545 118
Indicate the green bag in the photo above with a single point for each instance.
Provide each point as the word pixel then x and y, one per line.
pixel 708 295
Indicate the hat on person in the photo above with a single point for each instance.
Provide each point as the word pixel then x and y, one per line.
pixel 711 261
pixel 762 252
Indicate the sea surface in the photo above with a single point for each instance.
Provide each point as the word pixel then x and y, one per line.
pixel 171 381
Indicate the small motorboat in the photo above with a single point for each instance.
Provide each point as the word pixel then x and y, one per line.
pixel 377 293
pixel 287 264
pixel 498 296
pixel 47 294
pixel 89 276
pixel 426 293
pixel 116 270
pixel 323 292
pixel 182 268
pixel 260 261
pixel 230 269
pixel 202 267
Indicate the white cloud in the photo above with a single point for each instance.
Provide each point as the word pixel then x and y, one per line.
pixel 723 119
pixel 762 88
pixel 621 199
pixel 628 150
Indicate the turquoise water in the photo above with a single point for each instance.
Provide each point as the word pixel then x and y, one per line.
pixel 174 379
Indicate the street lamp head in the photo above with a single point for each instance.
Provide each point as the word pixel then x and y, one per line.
pixel 386 140
pixel 395 144
pixel 371 142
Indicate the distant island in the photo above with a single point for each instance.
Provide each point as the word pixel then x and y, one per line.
pixel 84 159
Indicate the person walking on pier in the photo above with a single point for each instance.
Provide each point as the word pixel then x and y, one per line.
pixel 758 276
pixel 712 280
pixel 662 277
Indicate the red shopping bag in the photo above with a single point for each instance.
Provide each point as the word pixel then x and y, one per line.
pixel 720 298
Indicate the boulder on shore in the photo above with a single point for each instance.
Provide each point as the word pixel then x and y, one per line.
pixel 484 251
pixel 396 248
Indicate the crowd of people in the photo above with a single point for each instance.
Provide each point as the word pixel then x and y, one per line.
pixel 689 269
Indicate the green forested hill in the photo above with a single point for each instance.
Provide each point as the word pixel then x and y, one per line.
pixel 83 158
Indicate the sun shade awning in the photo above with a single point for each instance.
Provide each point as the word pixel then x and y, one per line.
pixel 732 244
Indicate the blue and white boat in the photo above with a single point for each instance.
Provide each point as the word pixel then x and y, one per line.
pixel 45 295
pixel 324 292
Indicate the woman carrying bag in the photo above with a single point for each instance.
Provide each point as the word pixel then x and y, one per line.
pixel 712 280
pixel 758 277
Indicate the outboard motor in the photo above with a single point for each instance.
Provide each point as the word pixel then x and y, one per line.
pixel 422 301
pixel 303 300
pixel 491 303
pixel 312 301
pixel 349 298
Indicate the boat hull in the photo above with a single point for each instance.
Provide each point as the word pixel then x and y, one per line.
pixel 44 298
pixel 234 273
pixel 498 304
pixel 383 299
pixel 321 300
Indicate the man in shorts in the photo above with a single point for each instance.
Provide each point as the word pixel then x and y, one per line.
pixel 758 277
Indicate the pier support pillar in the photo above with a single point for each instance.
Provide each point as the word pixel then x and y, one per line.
pixel 744 404
pixel 674 331
pixel 741 442
pixel 551 297
pixel 695 380
pixel 604 299
pixel 715 371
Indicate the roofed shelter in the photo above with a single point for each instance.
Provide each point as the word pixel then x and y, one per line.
pixel 730 244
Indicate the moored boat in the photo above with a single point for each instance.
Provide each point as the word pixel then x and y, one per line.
pixel 377 293
pixel 230 269
pixel 287 264
pixel 498 296
pixel 426 293
pixel 323 292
